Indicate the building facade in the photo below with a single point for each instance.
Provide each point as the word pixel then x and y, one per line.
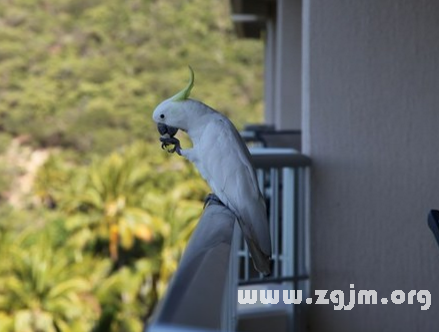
pixel 360 79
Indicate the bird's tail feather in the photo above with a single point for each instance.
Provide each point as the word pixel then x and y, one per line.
pixel 261 261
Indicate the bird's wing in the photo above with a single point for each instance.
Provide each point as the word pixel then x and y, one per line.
pixel 229 172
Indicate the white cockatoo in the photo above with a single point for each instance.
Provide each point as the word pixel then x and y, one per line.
pixel 223 160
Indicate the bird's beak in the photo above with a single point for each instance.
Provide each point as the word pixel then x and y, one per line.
pixel 167 138
pixel 166 131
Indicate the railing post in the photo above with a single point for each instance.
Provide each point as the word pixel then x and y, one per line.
pixel 283 178
pixel 203 293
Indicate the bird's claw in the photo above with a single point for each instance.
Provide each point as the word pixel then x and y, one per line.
pixel 167 141
pixel 167 138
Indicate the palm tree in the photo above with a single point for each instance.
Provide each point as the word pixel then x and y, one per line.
pixel 181 208
pixel 106 204
pixel 44 289
pixel 130 199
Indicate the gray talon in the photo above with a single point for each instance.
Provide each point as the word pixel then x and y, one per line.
pixel 166 141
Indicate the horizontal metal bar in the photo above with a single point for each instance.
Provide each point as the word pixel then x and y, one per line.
pixel 249 132
pixel 273 280
pixel 278 158
pixel 244 18
pixel 176 328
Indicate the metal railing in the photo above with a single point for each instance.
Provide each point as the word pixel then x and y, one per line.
pixel 267 136
pixel 283 176
pixel 283 179
pixel 195 297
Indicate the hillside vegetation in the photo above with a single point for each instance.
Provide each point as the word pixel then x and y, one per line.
pixel 94 215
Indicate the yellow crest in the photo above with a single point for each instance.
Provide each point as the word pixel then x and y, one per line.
pixel 184 94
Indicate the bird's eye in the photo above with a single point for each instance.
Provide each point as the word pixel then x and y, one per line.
pixel 162 116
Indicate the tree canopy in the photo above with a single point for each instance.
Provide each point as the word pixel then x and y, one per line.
pixel 87 74
pixel 94 216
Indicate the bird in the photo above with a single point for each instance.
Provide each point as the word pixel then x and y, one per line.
pixel 223 160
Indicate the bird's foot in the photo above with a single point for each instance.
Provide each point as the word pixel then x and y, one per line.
pixel 167 141
pixel 212 198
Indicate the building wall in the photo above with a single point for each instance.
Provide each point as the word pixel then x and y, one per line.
pixel 371 125
pixel 283 66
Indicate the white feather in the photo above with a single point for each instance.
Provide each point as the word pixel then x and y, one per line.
pixel 224 161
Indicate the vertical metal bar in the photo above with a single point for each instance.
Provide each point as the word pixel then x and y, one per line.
pixel 246 263
pixel 288 206
pixel 306 220
pixel 295 221
pixel 288 231
pixel 301 217
pixel 300 224
pixel 274 218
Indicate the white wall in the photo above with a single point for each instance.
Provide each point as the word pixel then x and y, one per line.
pixel 270 72
pixel 283 66
pixel 371 126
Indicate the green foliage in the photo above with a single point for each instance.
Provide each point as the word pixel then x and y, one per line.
pixel 137 206
pixel 43 287
pixel 5 140
pixel 87 74
pixel 103 253
pixel 93 245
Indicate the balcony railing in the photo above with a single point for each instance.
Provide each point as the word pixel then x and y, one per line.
pixel 203 293
pixel 283 176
